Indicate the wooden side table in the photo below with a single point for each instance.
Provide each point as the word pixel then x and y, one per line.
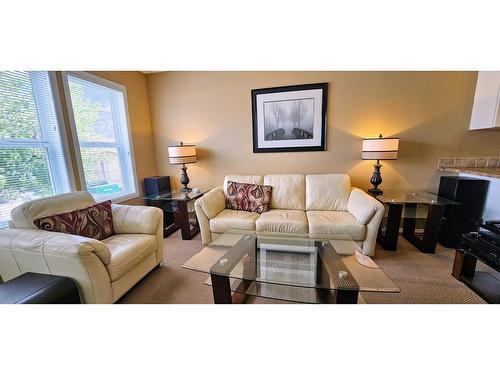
pixel 388 238
pixel 180 205
pixel 404 204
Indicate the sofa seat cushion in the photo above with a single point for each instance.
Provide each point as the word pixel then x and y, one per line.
pixel 128 250
pixel 284 221
pixel 232 219
pixel 335 224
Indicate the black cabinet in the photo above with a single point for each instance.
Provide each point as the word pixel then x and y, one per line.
pixel 457 220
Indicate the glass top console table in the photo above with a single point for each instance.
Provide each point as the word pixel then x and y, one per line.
pixel 413 207
pixel 178 211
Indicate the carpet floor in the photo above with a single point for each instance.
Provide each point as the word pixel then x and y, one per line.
pixel 422 278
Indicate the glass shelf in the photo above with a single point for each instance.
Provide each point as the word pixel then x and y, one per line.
pixel 406 197
pixel 176 196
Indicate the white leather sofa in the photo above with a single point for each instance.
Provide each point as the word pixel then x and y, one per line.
pixel 317 205
pixel 103 270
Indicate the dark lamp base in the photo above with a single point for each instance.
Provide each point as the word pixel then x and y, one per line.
pixel 376 180
pixel 185 180
pixel 375 191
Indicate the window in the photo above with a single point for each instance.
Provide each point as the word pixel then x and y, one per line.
pixel 98 113
pixel 32 162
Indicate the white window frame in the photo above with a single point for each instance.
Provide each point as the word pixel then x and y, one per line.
pixel 62 131
pixel 59 184
pixel 62 182
pixel 74 133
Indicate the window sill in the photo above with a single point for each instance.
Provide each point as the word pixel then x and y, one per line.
pixel 118 199
pixel 124 198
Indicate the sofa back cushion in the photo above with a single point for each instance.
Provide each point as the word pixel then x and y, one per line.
pixel 327 192
pixel 242 178
pixel 248 197
pixel 288 191
pixel 94 222
pixel 24 214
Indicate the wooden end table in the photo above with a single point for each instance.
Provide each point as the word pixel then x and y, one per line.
pixel 181 206
pixel 405 204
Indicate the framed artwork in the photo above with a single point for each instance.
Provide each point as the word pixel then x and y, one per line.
pixel 290 118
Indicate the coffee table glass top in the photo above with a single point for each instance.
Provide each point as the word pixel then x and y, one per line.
pixel 287 267
pixel 289 261
pixel 398 196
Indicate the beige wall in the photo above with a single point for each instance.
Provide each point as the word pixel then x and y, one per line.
pixel 140 123
pixel 429 111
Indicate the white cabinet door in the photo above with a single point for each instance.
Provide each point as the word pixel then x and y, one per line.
pixel 485 111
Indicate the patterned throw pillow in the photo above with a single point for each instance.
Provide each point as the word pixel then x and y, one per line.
pixel 94 222
pixel 248 197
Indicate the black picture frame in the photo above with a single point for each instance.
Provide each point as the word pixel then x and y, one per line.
pixel 324 105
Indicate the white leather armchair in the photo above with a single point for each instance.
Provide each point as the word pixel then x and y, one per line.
pixel 103 270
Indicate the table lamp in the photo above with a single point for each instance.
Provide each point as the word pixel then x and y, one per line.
pixel 379 149
pixel 182 154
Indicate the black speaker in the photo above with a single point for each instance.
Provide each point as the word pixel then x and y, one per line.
pixel 458 219
pixel 156 185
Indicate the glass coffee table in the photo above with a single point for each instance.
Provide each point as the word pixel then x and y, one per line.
pixel 288 268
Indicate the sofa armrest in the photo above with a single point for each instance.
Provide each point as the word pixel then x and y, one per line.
pixel 44 242
pixel 136 219
pixel 140 220
pixel 368 211
pixel 212 202
pixel 207 207
pixel 80 258
pixel 363 206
